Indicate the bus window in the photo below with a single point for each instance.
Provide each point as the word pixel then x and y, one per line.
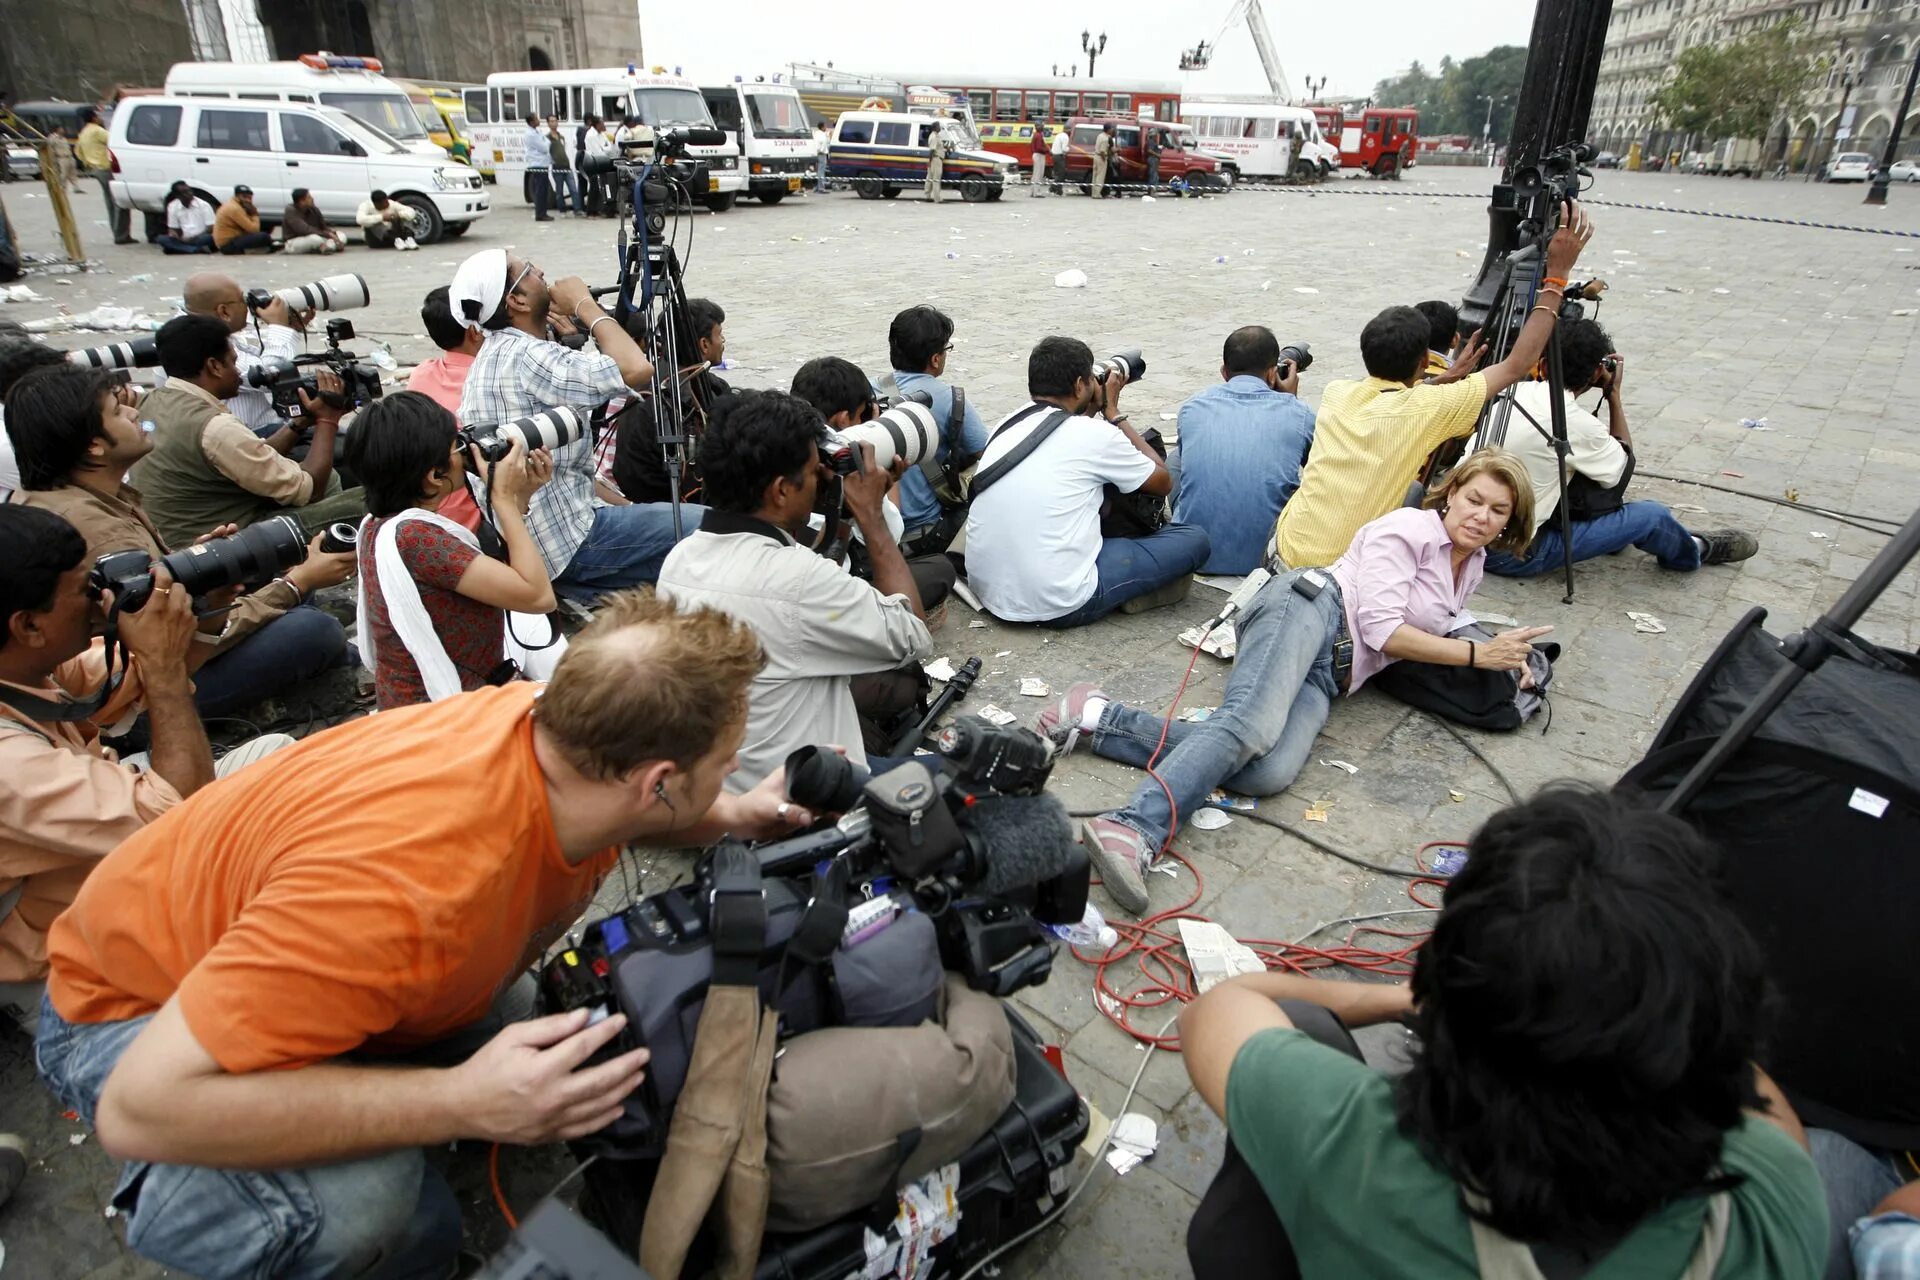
pixel 1067 104
pixel 544 100
pixel 1006 105
pixel 1168 108
pixel 1260 127
pixel 1123 102
pixel 476 105
pixel 892 133
pixel 981 103
pixel 1036 106
pixel 612 108
pixel 1095 102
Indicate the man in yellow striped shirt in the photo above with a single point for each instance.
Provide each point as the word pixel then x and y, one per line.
pixel 1370 437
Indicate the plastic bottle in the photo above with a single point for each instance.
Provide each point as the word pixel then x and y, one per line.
pixel 1092 931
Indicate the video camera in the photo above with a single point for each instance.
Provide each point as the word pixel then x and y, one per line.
pixel 674 180
pixel 258 552
pixel 335 293
pixel 906 430
pixel 548 429
pixel 284 380
pixel 975 854
pixel 141 353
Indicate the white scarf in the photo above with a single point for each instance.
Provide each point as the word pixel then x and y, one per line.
pixel 409 620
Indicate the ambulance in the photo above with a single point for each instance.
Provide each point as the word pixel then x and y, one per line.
pixel 354 85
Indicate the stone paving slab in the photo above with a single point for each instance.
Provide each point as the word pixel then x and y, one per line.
pixel 1720 320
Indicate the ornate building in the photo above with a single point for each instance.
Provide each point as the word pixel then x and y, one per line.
pixel 1869 44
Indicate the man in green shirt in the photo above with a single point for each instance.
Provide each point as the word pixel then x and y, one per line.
pixel 1587 1016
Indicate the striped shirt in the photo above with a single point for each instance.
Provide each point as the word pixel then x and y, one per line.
pixel 1886 1247
pixel 1368 443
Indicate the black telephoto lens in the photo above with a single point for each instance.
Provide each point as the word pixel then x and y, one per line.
pixel 341 535
pixel 824 780
pixel 1300 354
pixel 254 554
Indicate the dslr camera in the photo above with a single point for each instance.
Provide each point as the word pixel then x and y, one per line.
pixel 284 380
pixel 1129 362
pixel 141 353
pixel 906 430
pixel 548 429
pixel 1299 355
pixel 335 293
pixel 256 553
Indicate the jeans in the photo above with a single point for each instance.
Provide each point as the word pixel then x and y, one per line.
pixel 1129 567
pixel 120 220
pixel 820 173
pixel 1646 525
pixel 566 196
pixel 1153 173
pixel 384 1217
pixel 202 243
pixel 1857 1179
pixel 298 644
pixel 542 191
pixel 624 548
pixel 250 240
pixel 1276 701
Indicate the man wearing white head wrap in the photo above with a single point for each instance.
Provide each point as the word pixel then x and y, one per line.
pixel 592 540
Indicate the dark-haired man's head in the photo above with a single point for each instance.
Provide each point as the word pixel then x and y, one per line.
pixel 705 337
pixel 198 349
pixel 302 198
pixel 180 192
pixel 47 611
pixel 1585 976
pixel 21 355
pixel 436 313
pixel 1583 345
pixel 1252 352
pixel 1443 324
pixel 1394 344
pixel 837 388
pixel 403 449
pixel 1060 372
pixel 761 455
pixel 68 425
pixel 379 199
pixel 918 341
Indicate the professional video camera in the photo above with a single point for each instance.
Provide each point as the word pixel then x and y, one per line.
pixel 284 380
pixel 976 855
pixel 258 552
pixel 670 178
pixel 335 293
pixel 141 353
pixel 548 429
pixel 906 430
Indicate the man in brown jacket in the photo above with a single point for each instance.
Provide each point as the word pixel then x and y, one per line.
pixel 304 229
pixel 236 226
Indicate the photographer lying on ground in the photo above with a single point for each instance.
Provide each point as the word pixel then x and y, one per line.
pixel 1372 436
pixel 821 626
pixel 433 606
pixel 592 539
pixel 1309 636
pixel 1582 1100
pixel 66 801
pixel 270 1000
pixel 1601 462
pixel 1034 548
pixel 76 437
pixel 207 468
pixel 918 342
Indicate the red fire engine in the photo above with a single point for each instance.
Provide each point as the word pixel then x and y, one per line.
pixel 1379 140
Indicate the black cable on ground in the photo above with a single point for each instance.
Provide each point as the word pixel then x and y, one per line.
pixel 1852 518
pixel 1291 830
pixel 1492 768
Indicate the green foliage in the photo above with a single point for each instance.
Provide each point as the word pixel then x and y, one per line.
pixel 1454 101
pixel 1736 90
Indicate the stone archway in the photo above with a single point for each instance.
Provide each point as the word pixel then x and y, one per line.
pixel 1805 138
pixel 538 59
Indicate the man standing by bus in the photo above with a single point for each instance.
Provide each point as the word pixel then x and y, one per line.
pixel 1039 159
pixel 539 166
pixel 937 146
pixel 1061 145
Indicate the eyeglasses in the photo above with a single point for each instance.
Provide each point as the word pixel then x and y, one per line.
pixel 517 279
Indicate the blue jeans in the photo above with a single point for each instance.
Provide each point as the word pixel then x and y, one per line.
pixel 1129 567
pixel 241 243
pixel 566 196
pixel 385 1217
pixel 624 548
pixel 1646 525
pixel 1857 1179
pixel 298 644
pixel 202 243
pixel 1275 703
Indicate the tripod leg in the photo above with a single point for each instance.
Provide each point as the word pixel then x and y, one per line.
pixel 1557 406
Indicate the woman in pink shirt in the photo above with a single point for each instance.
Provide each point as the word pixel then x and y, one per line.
pixel 1308 636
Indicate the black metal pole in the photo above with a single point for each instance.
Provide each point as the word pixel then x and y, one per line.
pixel 1557 411
pixel 1883 176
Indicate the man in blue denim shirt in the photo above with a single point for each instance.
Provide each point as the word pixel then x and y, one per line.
pixel 1242 444
pixel 917 343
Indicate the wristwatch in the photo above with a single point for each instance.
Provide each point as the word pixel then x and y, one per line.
pixel 1117 421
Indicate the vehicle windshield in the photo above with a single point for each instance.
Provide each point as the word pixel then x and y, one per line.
pixel 390 112
pixel 777 115
pixel 374 140
pixel 459 120
pixel 672 108
pixel 428 117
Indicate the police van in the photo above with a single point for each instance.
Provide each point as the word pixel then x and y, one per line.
pixel 769 122
pixel 882 152
pixel 497 119
pixel 350 84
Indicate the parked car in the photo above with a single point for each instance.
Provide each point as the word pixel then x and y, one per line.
pixel 1180 155
pixel 1905 171
pixel 882 152
pixel 1848 166
pixel 1606 160
pixel 273 147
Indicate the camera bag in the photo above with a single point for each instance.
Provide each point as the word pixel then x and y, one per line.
pixel 1137 514
pixel 1473 696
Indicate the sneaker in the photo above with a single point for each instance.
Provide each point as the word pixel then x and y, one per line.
pixel 1724 546
pixel 1120 855
pixel 1060 723
pixel 1173 593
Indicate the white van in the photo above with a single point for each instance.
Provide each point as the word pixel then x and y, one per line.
pixel 769 122
pixel 1262 139
pixel 274 147
pixel 497 118
pixel 354 85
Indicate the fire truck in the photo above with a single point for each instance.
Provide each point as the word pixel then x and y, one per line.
pixel 1376 140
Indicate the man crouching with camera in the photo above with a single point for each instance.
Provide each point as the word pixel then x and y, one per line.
pixel 821 625
pixel 267 1002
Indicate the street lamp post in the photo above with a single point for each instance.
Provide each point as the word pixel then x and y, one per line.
pixel 1883 176
pixel 1093 47
pixel 1486 133
pixel 1314 87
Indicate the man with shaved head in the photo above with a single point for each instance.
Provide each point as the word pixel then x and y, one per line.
pixel 274 336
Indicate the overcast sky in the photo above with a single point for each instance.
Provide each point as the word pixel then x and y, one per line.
pixel 1354 44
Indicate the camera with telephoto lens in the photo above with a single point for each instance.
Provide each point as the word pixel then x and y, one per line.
pixel 255 554
pixel 141 353
pixel 335 293
pixel 1129 362
pixel 1299 355
pixel 548 429
pixel 906 431
pixel 341 535
pixel 284 380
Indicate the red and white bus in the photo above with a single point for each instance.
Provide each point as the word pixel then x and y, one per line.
pixel 1057 98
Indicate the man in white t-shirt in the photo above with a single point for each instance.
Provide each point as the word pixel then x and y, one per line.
pixel 1034 548
pixel 1600 456
pixel 189 222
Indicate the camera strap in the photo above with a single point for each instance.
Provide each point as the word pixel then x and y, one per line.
pixel 736 915
pixel 983 480
pixel 72 710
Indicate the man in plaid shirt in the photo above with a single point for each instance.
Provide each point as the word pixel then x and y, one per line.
pixel 592 539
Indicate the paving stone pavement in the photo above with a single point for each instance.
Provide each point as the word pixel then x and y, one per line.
pixel 1720 320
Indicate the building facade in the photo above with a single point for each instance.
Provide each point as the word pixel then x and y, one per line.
pixel 1869 46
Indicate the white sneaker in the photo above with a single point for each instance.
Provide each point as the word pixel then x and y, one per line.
pixel 404 243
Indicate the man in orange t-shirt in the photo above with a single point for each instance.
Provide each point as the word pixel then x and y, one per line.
pixel 225 982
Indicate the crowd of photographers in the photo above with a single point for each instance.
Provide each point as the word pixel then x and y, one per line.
pixel 278 991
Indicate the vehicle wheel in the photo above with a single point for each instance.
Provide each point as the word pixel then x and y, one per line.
pixel 425 217
pixel 890 193
pixel 207 196
pixel 721 201
pixel 870 186
pixel 997 193
pixel 1388 168
pixel 456 228
pixel 771 197
pixel 975 190
pixel 1303 171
